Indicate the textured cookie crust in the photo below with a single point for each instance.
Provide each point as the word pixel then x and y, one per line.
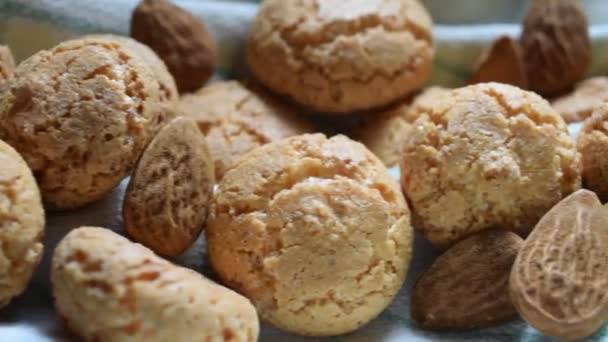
pixel 580 104
pixel 236 119
pixel 7 63
pixel 314 231
pixel 593 146
pixel 424 102
pixel 384 134
pixel 341 55
pixel 165 205
pixel 80 114
pixel 21 224
pixel 107 288
pixel 487 156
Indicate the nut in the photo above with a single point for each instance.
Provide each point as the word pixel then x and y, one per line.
pixel 109 289
pixel 556 45
pixel 580 104
pixel 468 286
pixel 558 282
pixel 7 63
pixel 21 224
pixel 502 62
pixel 179 38
pixel 165 205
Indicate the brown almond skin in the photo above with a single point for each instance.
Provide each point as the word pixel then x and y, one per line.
pixel 559 280
pixel 165 205
pixel 556 45
pixel 467 287
pixel 179 38
pixel 503 62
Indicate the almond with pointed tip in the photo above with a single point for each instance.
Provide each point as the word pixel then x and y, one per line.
pixel 468 286
pixel 502 62
pixel 558 282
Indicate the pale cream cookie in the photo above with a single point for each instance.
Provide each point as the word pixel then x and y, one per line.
pixel 588 95
pixel 313 231
pixel 487 156
pixel 593 146
pixel 339 56
pixel 236 119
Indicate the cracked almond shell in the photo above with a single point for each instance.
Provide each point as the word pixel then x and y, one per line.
pixel 313 231
pixel 107 288
pixel 559 279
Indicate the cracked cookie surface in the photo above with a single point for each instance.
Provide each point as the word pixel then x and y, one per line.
pixel 487 156
pixel 80 114
pixel 166 202
pixel 593 146
pixel 21 224
pixel 314 231
pixel 236 119
pixel 107 288
pixel 340 56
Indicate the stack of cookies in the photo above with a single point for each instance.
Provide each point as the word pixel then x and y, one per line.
pixel 309 233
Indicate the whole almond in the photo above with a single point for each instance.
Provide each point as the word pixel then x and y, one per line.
pixel 502 62
pixel 468 286
pixel 7 63
pixel 179 38
pixel 556 45
pixel 560 277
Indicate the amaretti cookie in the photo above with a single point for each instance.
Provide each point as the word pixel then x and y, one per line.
pixel 235 119
pixel 80 114
pixel 107 288
pixel 7 63
pixel 165 205
pixel 487 156
pixel 21 224
pixel 339 56
pixel 314 231
pixel 593 146
pixel 588 95
pixel 424 102
pixel 384 134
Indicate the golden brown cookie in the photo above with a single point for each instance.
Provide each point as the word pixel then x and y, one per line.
pixel 107 288
pixel 424 102
pixel 339 56
pixel 179 38
pixel 7 63
pixel 593 146
pixel 21 224
pixel 80 114
pixel 487 156
pixel 236 119
pixel 384 134
pixel 588 95
pixel 165 205
pixel 313 231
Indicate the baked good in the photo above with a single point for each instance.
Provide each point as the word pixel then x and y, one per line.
pixel 588 95
pixel 593 146
pixel 487 156
pixel 80 114
pixel 21 224
pixel 384 133
pixel 7 63
pixel 180 39
pixel 313 231
pixel 235 119
pixel 339 56
pixel 165 205
pixel 424 102
pixel 107 288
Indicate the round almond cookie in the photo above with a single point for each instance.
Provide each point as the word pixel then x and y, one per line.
pixel 80 114
pixel 21 224
pixel 580 104
pixel 424 102
pixel 235 119
pixel 487 156
pixel 313 231
pixel 593 146
pixel 165 205
pixel 339 56
pixel 107 288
